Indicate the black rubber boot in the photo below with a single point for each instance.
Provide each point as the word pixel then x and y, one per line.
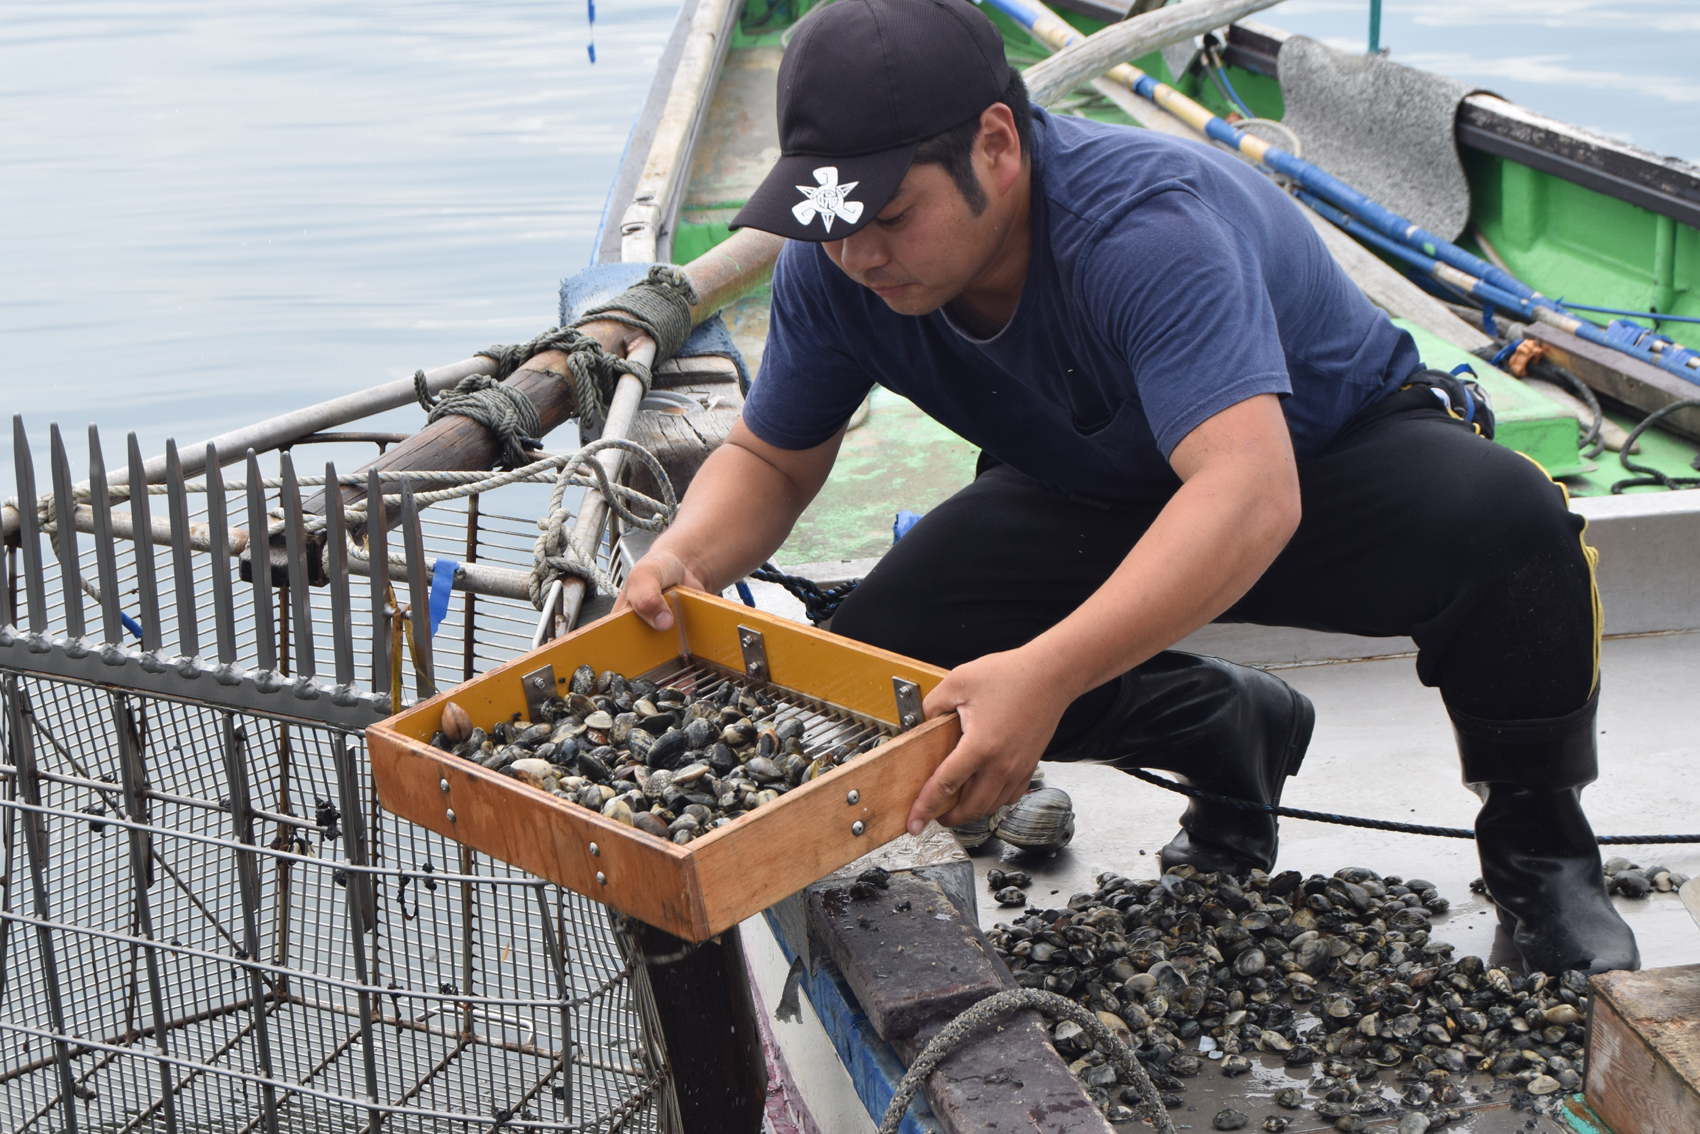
pixel 1218 726
pixel 1539 857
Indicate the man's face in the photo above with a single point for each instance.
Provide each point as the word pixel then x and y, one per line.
pixel 923 249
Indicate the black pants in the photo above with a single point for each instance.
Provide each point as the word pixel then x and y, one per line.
pixel 1412 524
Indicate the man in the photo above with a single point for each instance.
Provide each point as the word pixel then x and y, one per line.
pixel 1186 412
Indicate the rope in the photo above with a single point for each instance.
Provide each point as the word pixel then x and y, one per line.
pixel 503 410
pixel 1374 824
pixel 1647 474
pixel 554 556
pixel 819 603
pixel 660 307
pixel 1010 1000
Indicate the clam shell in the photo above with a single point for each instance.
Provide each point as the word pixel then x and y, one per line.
pixel 1041 820
pixel 456 724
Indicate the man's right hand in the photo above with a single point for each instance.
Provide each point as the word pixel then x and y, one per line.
pixel 646 581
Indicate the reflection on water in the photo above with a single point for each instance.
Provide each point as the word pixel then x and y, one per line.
pixel 214 212
pixel 1623 67
pixel 210 213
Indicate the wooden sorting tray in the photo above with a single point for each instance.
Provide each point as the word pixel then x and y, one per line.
pixel 704 887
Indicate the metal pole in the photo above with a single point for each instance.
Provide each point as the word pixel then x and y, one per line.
pixel 133 770
pixel 1375 27
pixel 248 879
pixel 358 894
pixel 35 846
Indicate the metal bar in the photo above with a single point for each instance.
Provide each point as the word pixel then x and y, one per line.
pixel 29 527
pixel 133 773
pixel 418 595
pixel 248 877
pixel 182 566
pixel 224 597
pixel 378 557
pixel 469 635
pixel 358 890
pixel 35 848
pixel 260 564
pixel 556 950
pixel 336 568
pixel 147 579
pixel 64 509
pixel 105 554
pixel 300 593
pixel 593 510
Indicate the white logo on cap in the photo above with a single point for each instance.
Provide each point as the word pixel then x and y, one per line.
pixel 827 200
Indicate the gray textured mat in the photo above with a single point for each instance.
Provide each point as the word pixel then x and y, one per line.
pixel 1385 129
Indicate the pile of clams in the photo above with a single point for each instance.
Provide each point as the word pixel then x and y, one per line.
pixel 673 764
pixel 1337 974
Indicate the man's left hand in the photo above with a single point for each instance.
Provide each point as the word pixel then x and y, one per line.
pixel 1009 712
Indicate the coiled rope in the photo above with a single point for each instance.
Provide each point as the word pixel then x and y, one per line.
pixel 1372 824
pixel 1012 1000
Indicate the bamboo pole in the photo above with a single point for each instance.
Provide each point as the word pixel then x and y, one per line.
pixel 1085 57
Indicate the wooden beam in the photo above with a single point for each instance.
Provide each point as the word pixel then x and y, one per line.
pixel 1644 1050
pixel 1622 378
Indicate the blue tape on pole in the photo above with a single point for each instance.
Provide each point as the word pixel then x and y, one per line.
pixel 442 583
pixel 744 593
pixel 130 624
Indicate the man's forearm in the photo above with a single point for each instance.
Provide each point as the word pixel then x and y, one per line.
pixel 1210 543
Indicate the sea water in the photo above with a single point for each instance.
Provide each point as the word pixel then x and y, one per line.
pixel 210 213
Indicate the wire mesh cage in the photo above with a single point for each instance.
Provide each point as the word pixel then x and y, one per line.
pixel 206 919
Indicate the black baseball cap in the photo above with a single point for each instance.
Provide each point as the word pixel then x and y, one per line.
pixel 863 83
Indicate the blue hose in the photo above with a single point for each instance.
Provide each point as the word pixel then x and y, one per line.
pixel 1653 315
pixel 1227 86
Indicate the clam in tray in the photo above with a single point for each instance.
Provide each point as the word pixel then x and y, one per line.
pixel 855 704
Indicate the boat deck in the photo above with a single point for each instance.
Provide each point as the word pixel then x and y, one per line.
pixel 1383 749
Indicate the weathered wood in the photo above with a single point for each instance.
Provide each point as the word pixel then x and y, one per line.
pixel 1006 1076
pixel 1644 1050
pixel 709 1023
pixel 682 437
pixel 1622 378
pixel 715 882
pixel 913 970
pixel 906 952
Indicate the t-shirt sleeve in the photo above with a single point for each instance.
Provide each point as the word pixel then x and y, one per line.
pixel 1179 293
pixel 809 384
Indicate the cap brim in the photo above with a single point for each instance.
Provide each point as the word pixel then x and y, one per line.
pixel 806 197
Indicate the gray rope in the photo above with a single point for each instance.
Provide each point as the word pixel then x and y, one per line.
pixel 660 306
pixel 1012 1000
pixel 554 556
pixel 505 412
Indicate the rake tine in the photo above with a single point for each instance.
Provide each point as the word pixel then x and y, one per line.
pixel 105 555
pixel 260 567
pixel 141 528
pixel 224 597
pixel 183 567
pixel 295 547
pixel 418 593
pixel 29 527
pixel 336 567
pixel 378 546
pixel 65 512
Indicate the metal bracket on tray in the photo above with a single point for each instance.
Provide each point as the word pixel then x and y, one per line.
pixel 908 703
pixel 754 647
pixel 539 686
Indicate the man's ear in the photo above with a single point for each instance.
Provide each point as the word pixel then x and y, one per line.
pixel 998 148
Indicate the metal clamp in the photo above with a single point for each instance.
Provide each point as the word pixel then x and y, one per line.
pixel 908 703
pixel 754 648
pixel 539 686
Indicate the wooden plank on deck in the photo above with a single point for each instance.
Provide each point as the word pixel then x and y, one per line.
pixel 1644 1050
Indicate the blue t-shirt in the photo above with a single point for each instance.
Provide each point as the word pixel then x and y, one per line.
pixel 1168 281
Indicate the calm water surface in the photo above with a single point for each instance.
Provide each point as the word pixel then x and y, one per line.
pixel 210 213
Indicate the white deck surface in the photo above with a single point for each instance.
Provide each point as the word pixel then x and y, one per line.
pixel 1383 748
